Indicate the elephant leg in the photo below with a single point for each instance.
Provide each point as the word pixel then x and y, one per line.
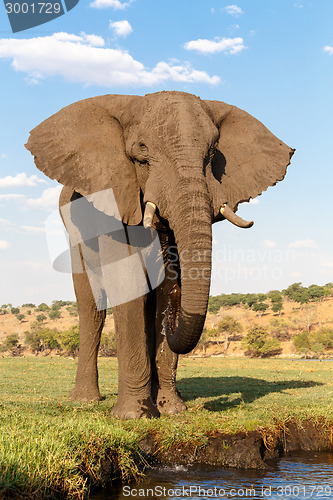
pixel 169 400
pixel 91 322
pixel 134 367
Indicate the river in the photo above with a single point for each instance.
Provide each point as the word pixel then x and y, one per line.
pixel 302 476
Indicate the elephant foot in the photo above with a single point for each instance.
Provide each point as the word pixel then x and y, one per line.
pixel 85 394
pixel 170 402
pixel 129 407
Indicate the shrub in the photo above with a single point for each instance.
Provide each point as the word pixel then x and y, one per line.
pixel 258 343
pixel 29 305
pixel 70 340
pixel 20 317
pixel 10 342
pixel 43 307
pixel 280 328
pixel 15 310
pixel 302 342
pixel 40 318
pixel 40 339
pixel 108 345
pixel 230 327
pixel 54 314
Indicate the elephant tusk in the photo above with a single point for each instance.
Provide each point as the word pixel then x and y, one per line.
pixel 233 218
pixel 149 214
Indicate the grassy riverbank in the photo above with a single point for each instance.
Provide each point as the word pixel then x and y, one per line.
pixel 49 445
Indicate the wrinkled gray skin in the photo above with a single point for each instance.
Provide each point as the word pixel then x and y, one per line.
pixel 188 157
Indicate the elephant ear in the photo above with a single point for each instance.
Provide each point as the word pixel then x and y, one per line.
pixel 82 147
pixel 248 157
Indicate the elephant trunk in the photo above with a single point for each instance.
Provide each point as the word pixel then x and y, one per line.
pixel 192 228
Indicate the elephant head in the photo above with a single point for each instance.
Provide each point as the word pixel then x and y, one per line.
pixel 192 161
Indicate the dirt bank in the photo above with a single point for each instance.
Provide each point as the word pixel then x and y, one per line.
pixel 248 450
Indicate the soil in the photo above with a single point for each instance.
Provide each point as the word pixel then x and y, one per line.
pixel 244 450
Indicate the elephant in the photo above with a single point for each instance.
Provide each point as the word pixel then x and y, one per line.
pixel 175 164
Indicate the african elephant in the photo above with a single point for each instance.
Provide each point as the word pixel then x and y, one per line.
pixel 175 163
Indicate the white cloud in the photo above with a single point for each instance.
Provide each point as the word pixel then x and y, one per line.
pixel 307 243
pixel 12 197
pixel 33 229
pixel 114 4
pixel 21 180
pixel 3 157
pixel 121 28
pixel 328 49
pixel 269 243
pixel 234 10
pixel 82 59
pixel 47 201
pixel 4 244
pixel 226 45
pixel 5 222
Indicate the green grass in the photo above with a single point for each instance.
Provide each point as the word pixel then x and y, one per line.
pixel 50 447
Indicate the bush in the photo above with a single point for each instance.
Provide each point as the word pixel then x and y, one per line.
pixel 10 342
pixel 40 339
pixel 43 307
pixel 29 305
pixel 230 327
pixel 280 328
pixel 20 317
pixel 302 342
pixel 258 343
pixel 40 318
pixel 54 314
pixel 108 345
pixel 15 310
pixel 70 340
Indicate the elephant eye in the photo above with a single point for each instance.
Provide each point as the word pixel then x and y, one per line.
pixel 143 147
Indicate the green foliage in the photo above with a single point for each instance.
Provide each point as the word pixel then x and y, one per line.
pixel 324 336
pixel 39 339
pixel 54 314
pixel 70 339
pixel 316 292
pixel 260 308
pixel 251 299
pixel 29 305
pixel 43 307
pixel 3 311
pixel 20 317
pixel 10 342
pixel 297 293
pixel 108 344
pixel 29 312
pixel 258 343
pixel 40 318
pixel 15 310
pixel 214 304
pixel 302 342
pixel 229 326
pixel 280 328
pixel 72 309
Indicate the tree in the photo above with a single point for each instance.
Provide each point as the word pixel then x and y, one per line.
pixel 297 293
pixel 260 308
pixel 302 342
pixel 15 310
pixel 10 342
pixel 258 343
pixel 54 314
pixel 70 340
pixel 43 307
pixel 40 318
pixel 316 292
pixel 229 326
pixel 29 305
pixel 40 339
pixel 20 317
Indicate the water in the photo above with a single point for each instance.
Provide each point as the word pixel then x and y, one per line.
pixel 303 476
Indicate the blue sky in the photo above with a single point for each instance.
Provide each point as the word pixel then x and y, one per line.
pixel 273 58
